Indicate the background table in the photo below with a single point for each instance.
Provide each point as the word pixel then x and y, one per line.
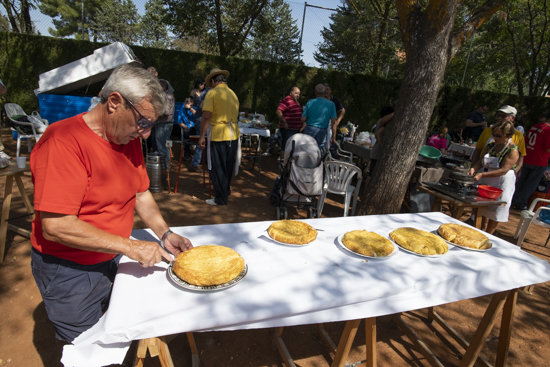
pixel 362 151
pixel 462 150
pixel 13 172
pixel 293 285
pixel 259 133
pixel 457 206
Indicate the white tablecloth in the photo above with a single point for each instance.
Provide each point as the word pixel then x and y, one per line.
pixel 287 285
pixel 462 149
pixel 252 130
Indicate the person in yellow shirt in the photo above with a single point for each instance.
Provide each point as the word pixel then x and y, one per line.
pixel 505 113
pixel 220 116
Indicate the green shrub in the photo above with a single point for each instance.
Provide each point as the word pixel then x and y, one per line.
pixel 260 85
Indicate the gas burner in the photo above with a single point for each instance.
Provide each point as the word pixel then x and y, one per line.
pixel 464 192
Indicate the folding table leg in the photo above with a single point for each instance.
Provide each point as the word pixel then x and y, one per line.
pixel 506 328
pixel 279 345
pixel 484 329
pixel 370 342
pixel 195 362
pixel 157 347
pixel 479 214
pixel 346 340
pixel 5 215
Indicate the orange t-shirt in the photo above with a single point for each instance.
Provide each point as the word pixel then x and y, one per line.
pixel 76 172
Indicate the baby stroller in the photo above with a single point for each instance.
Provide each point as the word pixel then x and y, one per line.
pixel 302 177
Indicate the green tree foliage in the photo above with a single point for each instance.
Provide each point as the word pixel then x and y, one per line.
pixel 4 24
pixel 18 15
pixel 275 37
pixel 224 25
pixel 67 16
pixel 154 31
pixel 363 39
pixel 118 20
pixel 510 53
pixel 527 24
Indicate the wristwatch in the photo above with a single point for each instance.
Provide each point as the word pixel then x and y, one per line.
pixel 164 237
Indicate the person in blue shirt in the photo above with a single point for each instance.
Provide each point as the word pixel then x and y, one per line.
pixel 320 114
pixel 187 122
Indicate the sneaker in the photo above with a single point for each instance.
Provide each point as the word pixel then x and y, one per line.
pixel 210 201
pixel 193 168
pixel 4 155
pixel 266 154
pixel 187 158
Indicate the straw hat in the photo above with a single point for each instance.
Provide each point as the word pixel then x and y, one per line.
pixel 213 73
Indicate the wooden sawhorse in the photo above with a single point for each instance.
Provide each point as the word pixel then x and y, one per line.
pixel 158 347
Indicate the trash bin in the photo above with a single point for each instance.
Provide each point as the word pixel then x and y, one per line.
pixel 156 170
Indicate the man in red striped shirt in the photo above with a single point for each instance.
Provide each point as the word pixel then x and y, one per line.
pixel 289 113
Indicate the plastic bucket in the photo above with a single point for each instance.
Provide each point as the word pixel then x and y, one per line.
pixel 154 165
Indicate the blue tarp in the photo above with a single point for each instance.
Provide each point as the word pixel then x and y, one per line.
pixel 54 107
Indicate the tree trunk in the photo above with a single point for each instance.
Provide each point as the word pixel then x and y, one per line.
pixel 26 17
pixel 12 18
pixel 426 40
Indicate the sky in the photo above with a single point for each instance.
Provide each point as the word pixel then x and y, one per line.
pixel 315 20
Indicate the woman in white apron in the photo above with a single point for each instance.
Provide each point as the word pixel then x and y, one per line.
pixel 496 169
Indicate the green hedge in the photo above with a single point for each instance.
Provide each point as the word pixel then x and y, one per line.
pixel 259 84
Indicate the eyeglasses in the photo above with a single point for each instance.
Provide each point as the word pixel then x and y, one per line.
pixel 497 136
pixel 143 122
pixel 502 115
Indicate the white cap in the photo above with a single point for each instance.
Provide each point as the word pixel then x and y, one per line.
pixel 509 110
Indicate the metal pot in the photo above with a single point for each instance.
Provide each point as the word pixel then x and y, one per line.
pixel 461 178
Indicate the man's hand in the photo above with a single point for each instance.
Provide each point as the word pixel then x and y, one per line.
pixel 147 253
pixel 202 142
pixel 176 244
pixel 285 124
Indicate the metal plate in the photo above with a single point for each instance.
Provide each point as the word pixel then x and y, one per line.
pixel 183 284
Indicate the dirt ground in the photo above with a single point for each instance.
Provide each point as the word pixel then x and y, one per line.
pixel 27 336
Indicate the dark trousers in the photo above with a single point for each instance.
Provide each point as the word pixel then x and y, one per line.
pixel 527 183
pixel 223 155
pixel 75 296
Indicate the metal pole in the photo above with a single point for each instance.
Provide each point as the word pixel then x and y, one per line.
pixel 302 33
pixel 467 59
pixel 82 7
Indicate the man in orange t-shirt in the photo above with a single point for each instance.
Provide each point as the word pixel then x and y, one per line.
pixel 89 176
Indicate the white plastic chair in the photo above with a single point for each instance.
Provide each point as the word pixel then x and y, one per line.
pixel 530 216
pixel 345 155
pixel 338 176
pixel 13 109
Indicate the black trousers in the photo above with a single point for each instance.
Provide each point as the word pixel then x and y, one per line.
pixel 223 155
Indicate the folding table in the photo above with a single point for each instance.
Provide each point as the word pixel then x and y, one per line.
pixel 294 285
pixel 13 172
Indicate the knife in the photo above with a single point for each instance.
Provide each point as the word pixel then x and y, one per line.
pixel 163 259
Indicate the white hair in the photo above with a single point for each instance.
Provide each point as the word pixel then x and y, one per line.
pixel 136 84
